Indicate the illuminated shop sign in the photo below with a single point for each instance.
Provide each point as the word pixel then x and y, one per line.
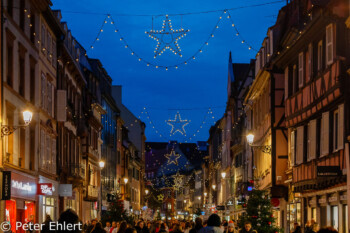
pixel 21 185
pixel 45 189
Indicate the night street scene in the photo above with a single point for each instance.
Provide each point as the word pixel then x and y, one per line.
pixel 175 116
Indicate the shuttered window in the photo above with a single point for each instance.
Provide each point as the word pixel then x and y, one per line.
pixel 311 140
pixel 329 44
pixel 292 148
pixel 300 145
pixel 341 126
pixel 301 69
pixel 325 134
pixel 286 83
pixel 309 63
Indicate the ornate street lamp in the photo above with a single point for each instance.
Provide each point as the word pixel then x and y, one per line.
pixel 7 130
pixel 265 148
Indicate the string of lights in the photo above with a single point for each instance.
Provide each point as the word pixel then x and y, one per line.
pixel 110 19
pixel 175 14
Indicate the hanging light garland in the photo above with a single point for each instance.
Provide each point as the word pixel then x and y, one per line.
pixel 110 19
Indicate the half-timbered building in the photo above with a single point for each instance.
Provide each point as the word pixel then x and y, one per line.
pixel 311 55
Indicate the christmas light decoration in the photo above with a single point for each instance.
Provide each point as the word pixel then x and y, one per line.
pixel 173 157
pixel 177 125
pixel 177 181
pixel 160 197
pixel 167 38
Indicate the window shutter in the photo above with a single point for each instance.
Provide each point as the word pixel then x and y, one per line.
pixel 309 63
pixel 312 140
pixel 300 145
pixel 286 83
pixel 61 105
pixel 329 44
pixel 292 147
pixel 341 127
pixel 301 69
pixel 53 156
pixel 319 55
pixel 325 134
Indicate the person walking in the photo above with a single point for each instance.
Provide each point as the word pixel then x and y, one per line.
pixel 213 225
pixel 108 227
pixel 98 228
pixel 247 228
pixel 198 225
pixel 46 226
pixel 231 227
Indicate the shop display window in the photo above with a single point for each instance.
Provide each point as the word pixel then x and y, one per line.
pixel 11 212
pixel 49 207
pixel 335 217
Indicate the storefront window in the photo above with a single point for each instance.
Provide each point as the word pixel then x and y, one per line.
pixel 313 213
pixel 293 215
pixel 346 222
pixel 93 209
pixel 11 214
pixel 334 218
pixel 29 211
pixel 49 207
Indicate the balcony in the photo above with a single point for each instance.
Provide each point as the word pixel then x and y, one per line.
pixel 305 175
pixel 76 170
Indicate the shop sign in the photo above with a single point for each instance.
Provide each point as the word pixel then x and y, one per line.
pixel 332 199
pixel 65 190
pixel 23 186
pixel 325 171
pixel 343 197
pixel 229 203
pixel 45 189
pixel 220 207
pixel 322 201
pixel 6 185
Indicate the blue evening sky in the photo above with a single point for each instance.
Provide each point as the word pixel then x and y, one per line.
pixel 192 88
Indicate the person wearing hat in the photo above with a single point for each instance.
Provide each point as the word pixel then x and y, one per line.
pixel 231 227
pixel 213 225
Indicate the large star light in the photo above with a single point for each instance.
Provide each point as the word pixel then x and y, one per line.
pixel 167 38
pixel 173 157
pixel 178 125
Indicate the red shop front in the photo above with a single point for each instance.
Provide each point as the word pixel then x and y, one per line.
pixel 21 207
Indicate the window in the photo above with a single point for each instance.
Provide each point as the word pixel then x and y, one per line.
pixel 32 80
pixel 295 79
pixel 42 160
pixel 300 145
pixel 21 71
pixel 43 38
pixel 49 98
pixel 311 152
pixel 32 27
pixel 54 49
pixel 338 124
pixel 10 7
pixel 43 90
pixel 319 55
pixel 49 207
pixel 10 64
pixel 286 83
pixel 292 148
pixel 21 14
pixel 309 63
pixel 32 146
pixel 301 69
pixel 329 44
pixel 325 134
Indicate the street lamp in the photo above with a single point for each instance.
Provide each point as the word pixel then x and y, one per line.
pixel 146 191
pixel 205 194
pixel 126 180
pixel 213 186
pixel 102 165
pixel 7 130
pixel 265 148
pixel 185 201
pixel 223 175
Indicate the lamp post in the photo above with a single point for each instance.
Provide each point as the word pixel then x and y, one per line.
pixel 102 165
pixel 7 130
pixel 126 180
pixel 265 148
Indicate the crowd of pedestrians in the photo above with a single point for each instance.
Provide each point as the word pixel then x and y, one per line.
pixel 212 225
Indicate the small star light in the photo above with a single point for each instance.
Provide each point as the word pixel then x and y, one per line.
pixel 178 125
pixel 177 180
pixel 160 197
pixel 167 38
pixel 172 157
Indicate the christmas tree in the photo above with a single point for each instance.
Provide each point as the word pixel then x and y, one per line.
pixel 259 212
pixel 116 211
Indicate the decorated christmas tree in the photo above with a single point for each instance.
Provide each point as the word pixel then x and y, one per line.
pixel 116 211
pixel 259 212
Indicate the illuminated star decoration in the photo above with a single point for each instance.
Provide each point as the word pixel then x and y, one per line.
pixel 177 180
pixel 178 125
pixel 160 197
pixel 167 38
pixel 173 157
